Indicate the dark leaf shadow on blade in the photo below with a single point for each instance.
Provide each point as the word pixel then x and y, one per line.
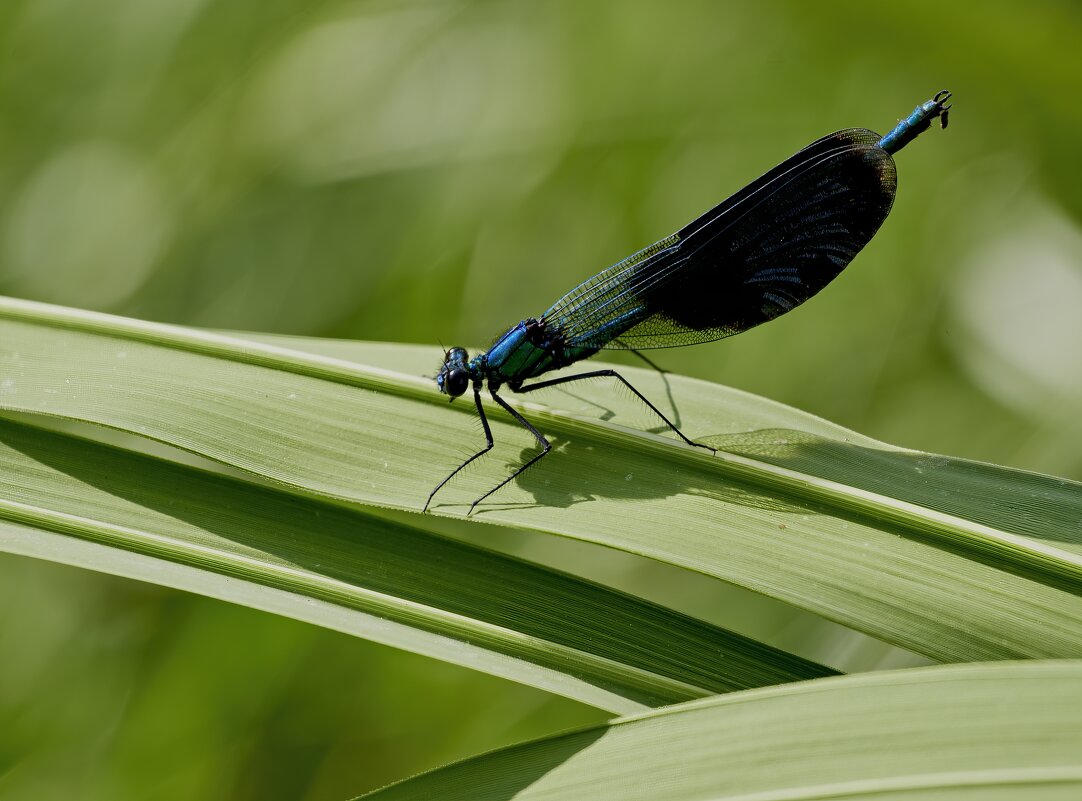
pixel 509 771
pixel 1005 731
pixel 375 555
pixel 1041 507
pixel 1026 504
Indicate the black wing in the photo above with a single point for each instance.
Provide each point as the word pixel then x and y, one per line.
pixel 753 257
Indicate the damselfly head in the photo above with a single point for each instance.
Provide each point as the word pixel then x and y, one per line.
pixel 454 375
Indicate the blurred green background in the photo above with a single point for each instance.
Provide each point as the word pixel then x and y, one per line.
pixel 425 171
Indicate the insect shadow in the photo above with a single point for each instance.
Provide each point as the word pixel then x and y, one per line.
pixel 575 473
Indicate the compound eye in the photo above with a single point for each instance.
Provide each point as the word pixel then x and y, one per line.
pixel 456 383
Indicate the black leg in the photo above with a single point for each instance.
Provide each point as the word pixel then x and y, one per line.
pixel 613 374
pixel 544 443
pixel 482 452
pixel 668 389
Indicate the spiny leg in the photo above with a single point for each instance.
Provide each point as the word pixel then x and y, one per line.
pixel 613 374
pixel 544 443
pixel 482 452
pixel 664 378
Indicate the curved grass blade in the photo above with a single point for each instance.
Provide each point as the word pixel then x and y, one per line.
pixel 315 560
pixel 964 583
pixel 1005 731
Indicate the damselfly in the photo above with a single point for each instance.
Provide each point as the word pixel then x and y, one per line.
pixel 751 258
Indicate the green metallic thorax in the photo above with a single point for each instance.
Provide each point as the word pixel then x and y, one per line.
pixel 526 351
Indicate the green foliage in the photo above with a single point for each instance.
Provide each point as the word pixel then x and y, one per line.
pixel 955 560
pixel 988 731
pixel 432 171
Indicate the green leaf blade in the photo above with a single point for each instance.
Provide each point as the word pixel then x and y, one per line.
pixel 343 569
pixel 959 732
pixel 964 582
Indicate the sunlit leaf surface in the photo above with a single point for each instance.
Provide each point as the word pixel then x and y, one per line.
pixel 982 731
pixel 954 560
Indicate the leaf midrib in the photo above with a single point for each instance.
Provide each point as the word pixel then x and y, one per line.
pixel 1063 567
